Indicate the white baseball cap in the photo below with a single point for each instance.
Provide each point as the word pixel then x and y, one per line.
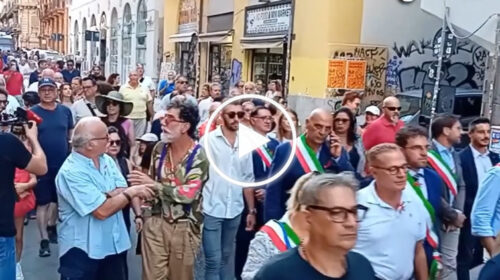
pixel 149 137
pixel 373 110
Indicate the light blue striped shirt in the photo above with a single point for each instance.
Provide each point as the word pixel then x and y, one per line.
pixel 81 189
pixel 485 215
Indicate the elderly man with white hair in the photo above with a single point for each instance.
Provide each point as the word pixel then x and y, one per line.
pixel 93 239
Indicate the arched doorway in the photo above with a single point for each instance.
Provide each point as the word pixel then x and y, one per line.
pixel 142 17
pixel 126 40
pixel 114 42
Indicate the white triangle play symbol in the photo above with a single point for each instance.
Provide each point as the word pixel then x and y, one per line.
pixel 249 140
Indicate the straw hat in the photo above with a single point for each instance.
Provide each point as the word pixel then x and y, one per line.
pixel 100 102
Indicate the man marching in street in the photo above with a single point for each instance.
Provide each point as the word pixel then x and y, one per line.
pixel 427 186
pixel 315 152
pixel 446 132
pixel 171 233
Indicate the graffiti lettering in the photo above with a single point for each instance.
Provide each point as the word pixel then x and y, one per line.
pixel 412 47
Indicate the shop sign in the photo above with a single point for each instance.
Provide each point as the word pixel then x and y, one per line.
pixel 347 74
pixel 268 20
pixel 188 16
pixel 495 139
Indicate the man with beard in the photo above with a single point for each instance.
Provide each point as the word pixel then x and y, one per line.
pixel 315 152
pixel 446 132
pixel 171 232
pixel 475 160
pixel 222 200
pixel 384 129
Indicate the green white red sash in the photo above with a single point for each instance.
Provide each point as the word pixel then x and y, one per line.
pixel 431 233
pixel 281 234
pixel 307 157
pixel 444 171
pixel 265 155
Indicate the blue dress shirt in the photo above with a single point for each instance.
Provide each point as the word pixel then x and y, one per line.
pixel 81 189
pixel 485 214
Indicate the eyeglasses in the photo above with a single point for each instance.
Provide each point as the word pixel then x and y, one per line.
pixel 167 119
pixel 340 214
pixel 394 170
pixel 182 82
pixel 342 120
pixel 115 142
pixel 87 87
pixel 232 115
pixel 249 89
pixel 265 118
pixel 393 109
pixel 113 103
pixel 100 138
pixel 4 102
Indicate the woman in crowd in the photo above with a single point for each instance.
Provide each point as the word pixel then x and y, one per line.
pixel 116 109
pixel 146 143
pixel 205 92
pixel 24 182
pixel 284 132
pixel 265 244
pixel 66 95
pixel 344 125
pixel 114 80
pixel 274 89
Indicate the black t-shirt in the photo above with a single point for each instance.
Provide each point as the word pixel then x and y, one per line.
pixel 12 154
pixel 290 266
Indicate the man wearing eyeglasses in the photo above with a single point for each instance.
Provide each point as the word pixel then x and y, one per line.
pixel 54 134
pixel 181 89
pixel 327 203
pixel 392 233
pixel 223 201
pixel 86 106
pixel 384 129
pixel 70 72
pixel 425 182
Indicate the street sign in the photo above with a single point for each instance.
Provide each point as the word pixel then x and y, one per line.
pixel 445 99
pixel 450 44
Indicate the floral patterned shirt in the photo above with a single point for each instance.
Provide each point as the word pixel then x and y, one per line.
pixel 179 194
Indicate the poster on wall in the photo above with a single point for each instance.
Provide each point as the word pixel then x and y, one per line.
pixel 188 16
pixel 346 74
pixel 356 75
pixel 337 73
pixel 495 139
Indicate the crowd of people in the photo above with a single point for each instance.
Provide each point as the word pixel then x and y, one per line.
pixel 370 200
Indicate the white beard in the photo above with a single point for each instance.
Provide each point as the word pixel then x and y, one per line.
pixel 166 138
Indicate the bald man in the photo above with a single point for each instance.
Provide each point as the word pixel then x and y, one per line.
pixel 46 73
pixel 93 238
pixel 384 129
pixel 318 149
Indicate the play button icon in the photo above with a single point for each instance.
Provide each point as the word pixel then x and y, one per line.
pixel 249 140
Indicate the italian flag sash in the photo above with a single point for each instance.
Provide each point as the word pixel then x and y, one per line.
pixel 307 157
pixel 431 233
pixel 444 171
pixel 281 234
pixel 265 155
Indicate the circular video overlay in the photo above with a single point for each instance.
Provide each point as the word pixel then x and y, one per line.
pixel 277 174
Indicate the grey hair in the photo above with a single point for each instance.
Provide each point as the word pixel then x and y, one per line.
pixel 311 191
pixel 292 204
pixel 81 135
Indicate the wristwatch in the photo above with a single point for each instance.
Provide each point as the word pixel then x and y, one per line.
pixel 252 211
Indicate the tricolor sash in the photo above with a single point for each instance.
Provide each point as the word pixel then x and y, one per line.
pixel 444 171
pixel 307 157
pixel 265 155
pixel 431 233
pixel 281 234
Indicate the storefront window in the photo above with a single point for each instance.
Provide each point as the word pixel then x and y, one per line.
pixel 126 40
pixel 114 42
pixel 220 64
pixel 142 15
pixel 268 64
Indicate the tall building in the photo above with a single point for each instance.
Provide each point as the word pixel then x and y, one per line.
pixel 117 34
pixel 54 22
pixel 20 19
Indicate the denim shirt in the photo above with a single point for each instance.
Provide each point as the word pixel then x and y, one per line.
pixel 81 189
pixel 485 214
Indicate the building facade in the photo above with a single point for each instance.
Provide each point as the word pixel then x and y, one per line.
pixel 117 34
pixel 20 19
pixel 54 23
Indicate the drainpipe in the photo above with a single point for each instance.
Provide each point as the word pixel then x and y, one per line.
pixel 494 94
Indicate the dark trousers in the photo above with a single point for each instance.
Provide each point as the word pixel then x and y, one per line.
pixel 491 269
pixel 470 252
pixel 76 265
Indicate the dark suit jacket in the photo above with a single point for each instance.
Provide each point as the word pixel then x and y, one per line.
pixel 434 186
pixel 448 213
pixel 260 173
pixel 277 191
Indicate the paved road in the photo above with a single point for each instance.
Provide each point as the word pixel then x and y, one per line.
pixel 36 268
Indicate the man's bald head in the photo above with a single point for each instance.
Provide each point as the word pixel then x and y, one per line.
pixel 392 109
pixel 318 126
pixel 47 73
pixel 87 129
pixel 320 113
pixel 390 101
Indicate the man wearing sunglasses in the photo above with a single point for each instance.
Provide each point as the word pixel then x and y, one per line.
pixel 327 205
pixel 384 129
pixel 223 201
pixel 70 72
pixel 181 89
pixel 392 233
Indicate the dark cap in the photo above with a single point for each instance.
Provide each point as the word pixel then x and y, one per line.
pixel 46 82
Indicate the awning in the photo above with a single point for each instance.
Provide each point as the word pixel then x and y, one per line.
pixel 263 42
pixel 217 37
pixel 181 38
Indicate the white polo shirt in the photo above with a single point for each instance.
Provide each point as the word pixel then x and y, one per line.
pixel 387 237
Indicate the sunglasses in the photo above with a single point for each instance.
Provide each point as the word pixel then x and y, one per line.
pixel 113 103
pixel 232 115
pixel 115 142
pixel 341 120
pixel 182 82
pixel 393 109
